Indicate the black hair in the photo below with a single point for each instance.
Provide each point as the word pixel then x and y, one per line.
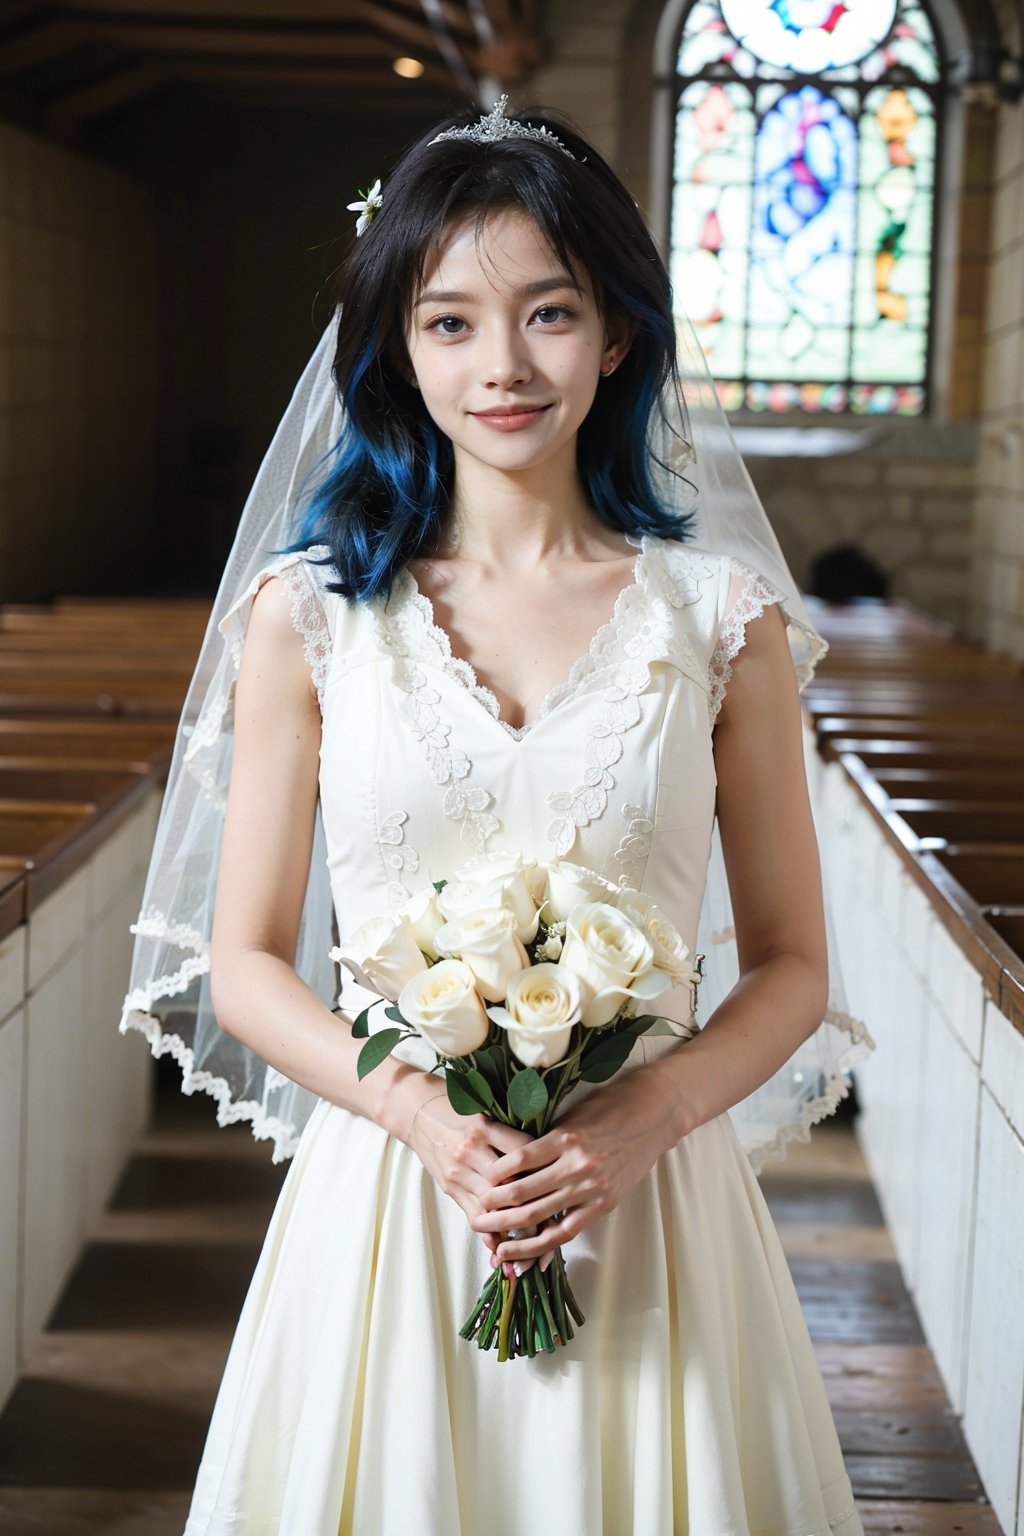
pixel 389 478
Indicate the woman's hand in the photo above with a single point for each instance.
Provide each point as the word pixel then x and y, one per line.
pixel 584 1166
pixel 459 1151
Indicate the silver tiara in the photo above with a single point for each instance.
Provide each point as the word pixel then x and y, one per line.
pixel 495 125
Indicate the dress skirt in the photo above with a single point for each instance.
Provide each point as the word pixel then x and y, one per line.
pixel 689 1403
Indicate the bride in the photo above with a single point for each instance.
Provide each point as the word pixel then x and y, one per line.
pixel 497 637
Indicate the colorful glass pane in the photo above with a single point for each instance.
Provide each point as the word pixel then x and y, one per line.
pixel 809 36
pixel 802 208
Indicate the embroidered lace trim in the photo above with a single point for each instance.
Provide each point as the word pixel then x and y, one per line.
pixel 265 1126
pixel 470 806
pixel 819 1108
pixel 136 1015
pixel 398 855
pixel 646 629
pixel 588 798
pixel 756 594
pixel 635 847
pixel 422 610
pixel 309 618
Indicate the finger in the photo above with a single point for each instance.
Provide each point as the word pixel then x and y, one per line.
pixel 514 1192
pixel 552 1236
pixel 534 1154
pixel 527 1215
pixel 506 1138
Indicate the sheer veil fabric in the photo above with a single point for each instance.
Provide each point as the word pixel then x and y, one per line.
pixel 698 469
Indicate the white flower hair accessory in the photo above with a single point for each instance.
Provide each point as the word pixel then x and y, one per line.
pixel 366 207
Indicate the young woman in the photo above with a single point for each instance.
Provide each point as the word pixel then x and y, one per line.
pixel 496 639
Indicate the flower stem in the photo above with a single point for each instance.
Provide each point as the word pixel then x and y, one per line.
pixel 542 1293
pixel 506 1316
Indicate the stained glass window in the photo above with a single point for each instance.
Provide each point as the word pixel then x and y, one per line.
pixel 802 219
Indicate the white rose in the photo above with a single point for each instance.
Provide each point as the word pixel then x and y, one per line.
pixel 423 914
pixel 488 943
pixel 442 1004
pixel 543 1004
pixel 570 884
pixel 671 953
pixel 382 954
pixel 612 958
pixel 516 877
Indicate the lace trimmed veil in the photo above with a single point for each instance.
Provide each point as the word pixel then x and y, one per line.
pixel 698 468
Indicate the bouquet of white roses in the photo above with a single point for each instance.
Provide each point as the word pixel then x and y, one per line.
pixel 525 980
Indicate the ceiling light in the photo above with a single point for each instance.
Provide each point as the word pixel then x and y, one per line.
pixel 409 69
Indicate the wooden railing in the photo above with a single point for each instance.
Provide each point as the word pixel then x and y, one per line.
pixel 90 693
pixel 915 752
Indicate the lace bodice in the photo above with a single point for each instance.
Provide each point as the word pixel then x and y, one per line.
pixel 615 770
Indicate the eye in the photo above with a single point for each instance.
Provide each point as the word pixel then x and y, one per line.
pixel 550 314
pixel 442 322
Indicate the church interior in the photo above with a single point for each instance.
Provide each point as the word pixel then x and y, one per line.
pixel 838 191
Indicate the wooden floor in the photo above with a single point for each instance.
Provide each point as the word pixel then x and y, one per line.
pixel 104 1431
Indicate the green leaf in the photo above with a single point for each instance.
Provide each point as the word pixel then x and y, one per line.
pixel 489 1063
pixel 460 1097
pixel 391 1012
pixel 439 885
pixel 376 1049
pixel 361 1025
pixel 527 1095
pixel 605 1058
pixel 478 1084
pixel 642 1022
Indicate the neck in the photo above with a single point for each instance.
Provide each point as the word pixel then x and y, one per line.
pixel 520 519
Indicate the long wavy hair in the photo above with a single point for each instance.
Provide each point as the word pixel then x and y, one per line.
pixel 383 488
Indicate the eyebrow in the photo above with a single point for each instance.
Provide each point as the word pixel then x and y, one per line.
pixel 527 291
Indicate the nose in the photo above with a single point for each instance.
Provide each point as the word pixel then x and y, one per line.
pixel 504 361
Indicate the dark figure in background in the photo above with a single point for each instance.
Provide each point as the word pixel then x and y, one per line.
pixel 845 572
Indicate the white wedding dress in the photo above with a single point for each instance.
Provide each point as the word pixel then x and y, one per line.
pixel 690 1402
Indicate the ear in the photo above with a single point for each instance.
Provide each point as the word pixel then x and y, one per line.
pixel 618 338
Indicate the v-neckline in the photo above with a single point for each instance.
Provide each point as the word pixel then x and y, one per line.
pixel 464 672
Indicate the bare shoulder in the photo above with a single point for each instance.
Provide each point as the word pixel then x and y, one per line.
pixel 273 653
pixel 763 679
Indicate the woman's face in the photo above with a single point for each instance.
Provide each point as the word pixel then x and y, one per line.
pixel 505 348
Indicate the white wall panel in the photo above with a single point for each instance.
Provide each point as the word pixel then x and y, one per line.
pixel 56 1109
pixel 995 1378
pixel 947 1168
pixel 11 1057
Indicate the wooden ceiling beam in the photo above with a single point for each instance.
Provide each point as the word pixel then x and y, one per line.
pixel 52 37
pixel 240 41
pixel 298 13
pixel 415 34
pixel 14 10
pixel 514 50
pixel 430 101
pixel 362 78
pixel 67 114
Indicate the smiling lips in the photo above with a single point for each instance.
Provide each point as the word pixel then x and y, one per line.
pixel 510 418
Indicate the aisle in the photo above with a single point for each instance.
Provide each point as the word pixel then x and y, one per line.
pixel 102 1435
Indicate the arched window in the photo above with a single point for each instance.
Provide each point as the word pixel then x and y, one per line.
pixel 802 207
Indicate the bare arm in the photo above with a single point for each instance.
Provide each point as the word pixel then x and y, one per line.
pixel 257 995
pixel 771 858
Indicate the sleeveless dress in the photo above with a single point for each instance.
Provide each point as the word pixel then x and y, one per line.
pixel 690 1402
